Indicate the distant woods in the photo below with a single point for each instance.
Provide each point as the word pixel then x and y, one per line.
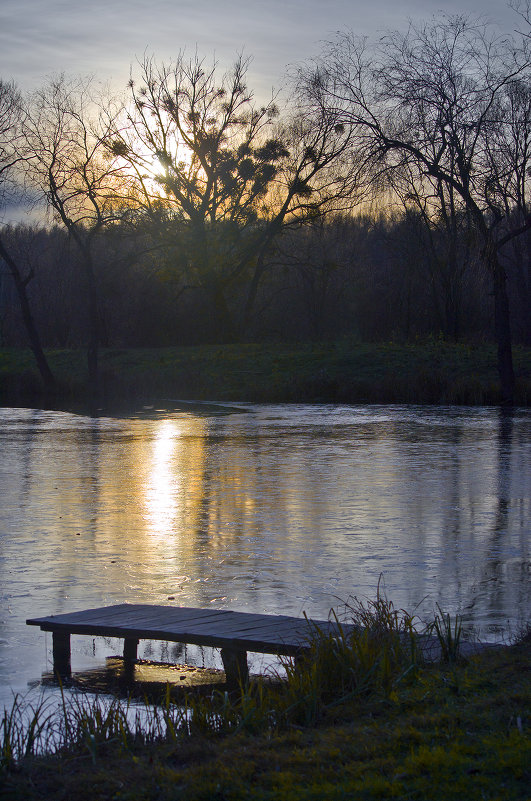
pixel 388 198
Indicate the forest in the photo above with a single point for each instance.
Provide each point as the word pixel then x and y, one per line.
pixel 384 197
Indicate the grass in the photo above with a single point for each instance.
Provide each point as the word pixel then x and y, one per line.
pixel 448 634
pixel 345 372
pixel 361 717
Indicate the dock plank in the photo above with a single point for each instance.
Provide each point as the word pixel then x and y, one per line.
pixel 275 634
pixel 127 617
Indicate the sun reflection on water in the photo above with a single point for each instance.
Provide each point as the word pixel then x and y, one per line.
pixel 164 482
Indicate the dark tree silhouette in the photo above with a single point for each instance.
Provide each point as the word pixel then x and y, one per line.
pixel 66 129
pixel 447 100
pixel 12 156
pixel 224 175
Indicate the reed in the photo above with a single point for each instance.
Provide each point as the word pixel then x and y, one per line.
pixel 449 634
pixel 82 723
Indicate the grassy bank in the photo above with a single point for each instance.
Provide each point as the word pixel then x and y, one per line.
pixel 433 372
pixel 359 719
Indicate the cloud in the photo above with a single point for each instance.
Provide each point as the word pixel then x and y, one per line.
pixel 105 36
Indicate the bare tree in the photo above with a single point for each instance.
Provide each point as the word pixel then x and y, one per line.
pixel 225 174
pixel 523 9
pixel 311 182
pixel 11 159
pixel 66 129
pixel 443 226
pixel 439 101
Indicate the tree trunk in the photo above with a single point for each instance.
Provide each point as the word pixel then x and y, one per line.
pixel 33 335
pixel 252 292
pixel 94 328
pixel 503 328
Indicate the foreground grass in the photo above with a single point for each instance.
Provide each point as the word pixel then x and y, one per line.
pixel 362 718
pixel 456 733
pixel 344 372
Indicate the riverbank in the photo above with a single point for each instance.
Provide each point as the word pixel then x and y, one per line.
pixel 450 731
pixel 433 372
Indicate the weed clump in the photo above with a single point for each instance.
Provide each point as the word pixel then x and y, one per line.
pixel 374 650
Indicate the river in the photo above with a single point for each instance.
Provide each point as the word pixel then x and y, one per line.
pixel 260 508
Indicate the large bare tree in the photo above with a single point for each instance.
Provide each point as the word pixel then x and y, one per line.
pixel 12 158
pixel 66 128
pixel 449 102
pixel 225 174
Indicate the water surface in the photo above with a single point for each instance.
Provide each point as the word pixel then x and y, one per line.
pixel 259 508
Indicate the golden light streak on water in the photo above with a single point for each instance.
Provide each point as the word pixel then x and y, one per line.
pixel 164 487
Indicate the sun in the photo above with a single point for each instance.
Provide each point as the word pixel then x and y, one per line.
pixel 148 158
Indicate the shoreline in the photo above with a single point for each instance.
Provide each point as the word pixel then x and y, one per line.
pixel 430 373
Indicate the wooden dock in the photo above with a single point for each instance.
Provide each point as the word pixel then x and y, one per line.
pixel 235 633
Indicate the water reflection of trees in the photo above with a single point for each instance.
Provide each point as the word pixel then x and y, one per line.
pixel 462 496
pixel 503 583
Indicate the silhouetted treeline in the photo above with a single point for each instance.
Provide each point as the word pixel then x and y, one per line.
pixel 188 213
pixel 369 277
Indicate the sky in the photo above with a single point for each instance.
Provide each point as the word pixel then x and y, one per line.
pixel 105 37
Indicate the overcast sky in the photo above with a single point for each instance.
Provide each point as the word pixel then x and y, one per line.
pixel 104 37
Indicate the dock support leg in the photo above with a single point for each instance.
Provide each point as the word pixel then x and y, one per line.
pixel 130 653
pixel 236 670
pixel 300 657
pixel 61 655
pixel 130 649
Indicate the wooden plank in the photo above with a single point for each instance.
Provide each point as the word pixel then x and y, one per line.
pixel 127 618
pixel 266 628
pixel 130 614
pixel 107 612
pixel 223 620
pixel 169 616
pixel 226 627
pixel 232 624
pixel 235 635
